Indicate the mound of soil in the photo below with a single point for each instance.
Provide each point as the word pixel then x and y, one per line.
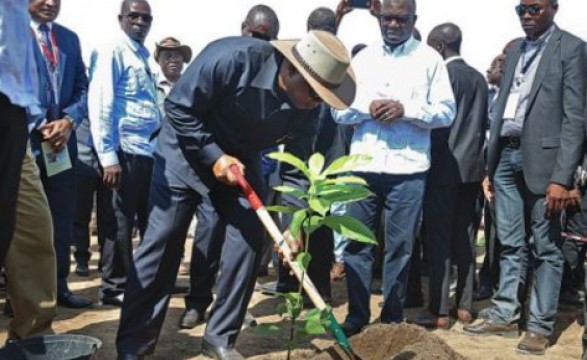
pixel 394 342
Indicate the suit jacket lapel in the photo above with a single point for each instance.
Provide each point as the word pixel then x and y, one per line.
pixel 62 57
pixel 545 60
pixel 512 59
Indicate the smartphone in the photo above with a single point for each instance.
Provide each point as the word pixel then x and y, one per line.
pixel 360 4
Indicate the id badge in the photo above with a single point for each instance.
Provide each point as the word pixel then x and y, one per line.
pixel 512 106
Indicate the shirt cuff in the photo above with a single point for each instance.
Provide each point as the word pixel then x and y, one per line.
pixel 411 110
pixel 210 153
pixel 108 159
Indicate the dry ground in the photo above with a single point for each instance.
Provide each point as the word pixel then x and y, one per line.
pixel 102 322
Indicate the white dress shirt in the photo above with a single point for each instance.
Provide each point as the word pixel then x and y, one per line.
pixel 415 75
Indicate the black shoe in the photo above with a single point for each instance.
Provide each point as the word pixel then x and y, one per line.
pixel 71 301
pixel 350 330
pixel 273 287
pixel 113 300
pixel 130 357
pixel 82 270
pixel 220 352
pixel 570 297
pixel 191 318
pixel 483 293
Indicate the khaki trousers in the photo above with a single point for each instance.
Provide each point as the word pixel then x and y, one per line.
pixel 31 268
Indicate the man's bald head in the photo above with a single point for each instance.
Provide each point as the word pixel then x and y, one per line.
pixel 446 39
pixel 322 19
pixel 411 4
pixel 261 22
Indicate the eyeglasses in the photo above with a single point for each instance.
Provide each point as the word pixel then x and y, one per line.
pixel 400 20
pixel 532 10
pixel 134 16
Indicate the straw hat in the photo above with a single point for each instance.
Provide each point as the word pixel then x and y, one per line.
pixel 171 43
pixel 324 62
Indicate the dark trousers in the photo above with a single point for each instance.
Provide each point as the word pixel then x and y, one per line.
pixel 130 202
pixel 417 261
pixel 60 191
pixel 449 211
pixel 88 182
pixel 401 196
pixel 320 247
pixel 156 262
pixel 13 140
pixel 208 240
pixel 520 214
pixel 489 272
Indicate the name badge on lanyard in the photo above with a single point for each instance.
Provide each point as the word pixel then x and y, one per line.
pixel 51 63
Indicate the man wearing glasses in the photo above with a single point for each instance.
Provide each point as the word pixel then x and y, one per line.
pixel 404 93
pixel 534 148
pixel 124 115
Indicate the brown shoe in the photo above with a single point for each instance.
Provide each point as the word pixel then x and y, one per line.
pixel 431 321
pixel 533 344
pixel 337 272
pixel 489 328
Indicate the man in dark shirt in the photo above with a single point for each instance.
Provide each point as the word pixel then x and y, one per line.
pixel 238 97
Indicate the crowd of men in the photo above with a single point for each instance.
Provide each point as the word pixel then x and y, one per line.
pixel 149 150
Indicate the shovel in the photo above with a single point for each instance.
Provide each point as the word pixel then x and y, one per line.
pixel 297 269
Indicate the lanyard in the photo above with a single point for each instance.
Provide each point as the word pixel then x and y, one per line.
pixel 526 65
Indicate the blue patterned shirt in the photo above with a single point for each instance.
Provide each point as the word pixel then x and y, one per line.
pixel 122 101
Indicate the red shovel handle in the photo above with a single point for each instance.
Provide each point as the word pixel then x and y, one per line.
pixel 246 187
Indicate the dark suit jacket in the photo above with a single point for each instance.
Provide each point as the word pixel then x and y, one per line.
pixel 226 102
pixel 553 132
pixel 73 81
pixel 457 151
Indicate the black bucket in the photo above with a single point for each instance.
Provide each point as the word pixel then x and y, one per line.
pixel 52 347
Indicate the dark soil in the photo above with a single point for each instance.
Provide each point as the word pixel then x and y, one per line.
pixel 394 342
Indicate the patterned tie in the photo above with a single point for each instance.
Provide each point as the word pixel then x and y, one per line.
pixel 47 45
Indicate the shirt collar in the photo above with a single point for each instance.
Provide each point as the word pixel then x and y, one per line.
pixel 35 25
pixel 266 77
pixel 451 59
pixel 135 46
pixel 542 39
pixel 402 50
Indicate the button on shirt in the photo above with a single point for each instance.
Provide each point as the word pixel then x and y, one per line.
pixel 523 80
pixel 415 75
pixel 17 63
pixel 122 101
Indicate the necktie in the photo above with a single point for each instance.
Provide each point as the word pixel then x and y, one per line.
pixel 47 45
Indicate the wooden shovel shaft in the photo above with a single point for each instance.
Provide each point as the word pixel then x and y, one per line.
pixel 278 238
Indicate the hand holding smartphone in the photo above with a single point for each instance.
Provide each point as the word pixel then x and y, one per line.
pixel 360 4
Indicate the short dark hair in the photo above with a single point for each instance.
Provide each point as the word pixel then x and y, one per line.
pixel 322 19
pixel 125 6
pixel 449 34
pixel 411 4
pixel 262 12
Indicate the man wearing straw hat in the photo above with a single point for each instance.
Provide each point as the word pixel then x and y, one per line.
pixel 238 97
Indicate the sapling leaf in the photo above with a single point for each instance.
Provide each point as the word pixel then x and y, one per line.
pixel 291 191
pixel 347 180
pixel 351 228
pixel 321 206
pixel 291 160
pixel 282 209
pixel 304 260
pixel 345 164
pixel 316 164
pixel 296 223
pixel 268 329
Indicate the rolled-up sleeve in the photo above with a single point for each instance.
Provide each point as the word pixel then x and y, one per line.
pixel 437 108
pixel 105 72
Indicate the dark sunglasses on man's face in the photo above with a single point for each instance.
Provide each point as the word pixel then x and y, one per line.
pixel 400 20
pixel 533 10
pixel 134 16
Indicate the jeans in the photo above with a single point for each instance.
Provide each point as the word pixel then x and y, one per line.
pixel 401 196
pixel 340 243
pixel 520 216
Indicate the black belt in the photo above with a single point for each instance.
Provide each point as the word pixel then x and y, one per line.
pixel 509 141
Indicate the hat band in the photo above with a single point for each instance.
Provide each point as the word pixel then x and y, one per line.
pixel 311 71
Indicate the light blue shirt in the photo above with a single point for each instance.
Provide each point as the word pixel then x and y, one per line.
pixel 416 76
pixel 122 101
pixel 17 61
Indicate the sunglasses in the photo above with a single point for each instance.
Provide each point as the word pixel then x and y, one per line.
pixel 134 16
pixel 400 20
pixel 532 10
